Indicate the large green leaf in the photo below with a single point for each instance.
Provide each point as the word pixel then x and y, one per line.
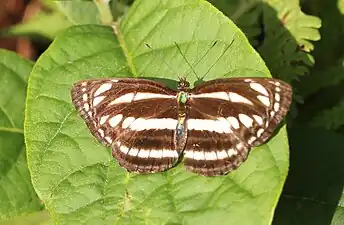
pixel 17 195
pixel 77 177
pixel 313 193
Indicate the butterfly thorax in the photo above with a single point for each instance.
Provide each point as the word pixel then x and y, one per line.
pixel 182 97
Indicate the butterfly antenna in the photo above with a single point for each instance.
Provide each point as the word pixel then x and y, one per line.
pixel 180 51
pixel 163 60
pixel 218 59
pixel 201 59
pixel 204 55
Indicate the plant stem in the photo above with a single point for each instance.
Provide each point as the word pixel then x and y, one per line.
pixel 104 11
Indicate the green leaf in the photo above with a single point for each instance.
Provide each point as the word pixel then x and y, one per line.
pixel 313 193
pixel 329 49
pixel 17 195
pixel 37 218
pixel 80 11
pixel 43 23
pixel 322 78
pixel 287 41
pixel 245 14
pixel 77 177
pixel 330 119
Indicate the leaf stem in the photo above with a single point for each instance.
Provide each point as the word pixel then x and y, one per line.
pixel 11 130
pixel 104 11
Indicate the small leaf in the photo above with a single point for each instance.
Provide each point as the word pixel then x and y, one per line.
pixel 322 78
pixel 330 119
pixel 77 177
pixel 313 193
pixel 80 11
pixel 43 23
pixel 17 195
pixel 288 32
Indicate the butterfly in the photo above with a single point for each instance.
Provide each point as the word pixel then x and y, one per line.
pixel 212 127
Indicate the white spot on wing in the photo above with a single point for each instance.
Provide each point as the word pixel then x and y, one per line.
pixel 222 154
pixel 102 88
pixel 233 122
pixel 259 88
pixel 142 96
pixel 277 97
pixel 232 152
pixel 98 100
pixel 239 145
pixel 234 97
pixel 103 119
pixel 123 99
pixel 114 121
pixel 189 154
pixel 220 125
pixel 133 152
pixel 210 155
pixel 198 155
pixel 231 96
pixel 153 124
pixel 108 139
pixel 259 119
pixel 157 154
pixel 143 153
pixel 265 100
pixel 251 140
pixel 123 149
pixel 218 95
pixel 127 122
pixel 169 153
pixel 246 120
pixel 101 132
pixel 86 107
pixel 129 97
pixel 260 132
pixel 84 97
pixel 276 106
pixel 277 89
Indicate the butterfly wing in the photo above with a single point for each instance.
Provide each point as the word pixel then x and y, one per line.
pixel 227 117
pixel 134 117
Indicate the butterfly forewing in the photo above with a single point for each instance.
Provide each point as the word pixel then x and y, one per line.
pixel 135 117
pixel 227 117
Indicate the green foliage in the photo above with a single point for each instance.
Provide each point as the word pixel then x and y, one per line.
pixel 313 193
pixel 77 177
pixel 40 24
pixel 287 33
pixel 17 195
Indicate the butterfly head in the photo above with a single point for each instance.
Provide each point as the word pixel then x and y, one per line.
pixel 183 85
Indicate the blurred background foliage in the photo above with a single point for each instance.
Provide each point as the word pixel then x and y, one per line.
pixel 301 43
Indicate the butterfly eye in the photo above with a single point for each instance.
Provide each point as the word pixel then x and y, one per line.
pixel 183 85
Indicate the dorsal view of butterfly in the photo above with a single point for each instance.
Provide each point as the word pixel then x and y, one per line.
pixel 211 127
